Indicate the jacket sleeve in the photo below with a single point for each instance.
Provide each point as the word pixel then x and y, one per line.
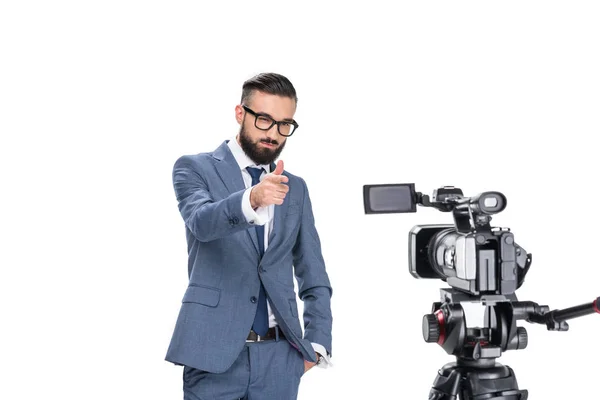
pixel 206 219
pixel 314 288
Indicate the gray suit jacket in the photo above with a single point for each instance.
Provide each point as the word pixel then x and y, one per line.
pixel 219 304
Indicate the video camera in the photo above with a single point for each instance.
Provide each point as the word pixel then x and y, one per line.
pixel 469 255
pixel 482 264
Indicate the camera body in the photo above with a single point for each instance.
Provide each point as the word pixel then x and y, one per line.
pixel 470 255
pixel 479 263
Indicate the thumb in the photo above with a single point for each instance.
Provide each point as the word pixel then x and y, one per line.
pixel 279 168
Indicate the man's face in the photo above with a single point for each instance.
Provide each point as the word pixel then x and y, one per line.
pixel 263 147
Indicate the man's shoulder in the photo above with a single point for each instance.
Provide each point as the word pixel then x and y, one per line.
pixel 192 162
pixel 199 159
pixel 195 158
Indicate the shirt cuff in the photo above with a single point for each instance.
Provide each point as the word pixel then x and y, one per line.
pixel 258 217
pixel 326 363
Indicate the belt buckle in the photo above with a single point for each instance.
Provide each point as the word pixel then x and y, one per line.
pixel 258 338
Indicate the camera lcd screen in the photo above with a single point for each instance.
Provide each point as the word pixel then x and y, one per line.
pixel 390 198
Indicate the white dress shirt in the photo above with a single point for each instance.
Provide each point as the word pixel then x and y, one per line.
pixel 262 216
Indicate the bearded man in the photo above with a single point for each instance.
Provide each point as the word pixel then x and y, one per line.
pixel 250 229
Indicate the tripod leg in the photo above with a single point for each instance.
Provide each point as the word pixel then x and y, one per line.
pixel 446 385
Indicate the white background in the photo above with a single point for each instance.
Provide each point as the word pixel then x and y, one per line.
pixel 98 100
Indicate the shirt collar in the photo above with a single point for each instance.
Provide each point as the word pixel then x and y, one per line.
pixel 241 158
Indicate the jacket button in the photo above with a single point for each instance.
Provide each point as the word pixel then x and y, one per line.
pixel 253 299
pixel 236 220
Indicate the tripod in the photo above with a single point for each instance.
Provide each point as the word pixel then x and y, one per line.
pixel 476 375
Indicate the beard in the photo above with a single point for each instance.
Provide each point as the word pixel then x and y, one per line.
pixel 260 155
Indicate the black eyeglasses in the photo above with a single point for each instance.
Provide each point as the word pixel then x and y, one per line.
pixel 264 122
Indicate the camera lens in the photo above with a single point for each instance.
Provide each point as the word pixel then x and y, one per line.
pixel 441 252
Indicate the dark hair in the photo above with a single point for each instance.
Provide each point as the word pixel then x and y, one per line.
pixel 270 83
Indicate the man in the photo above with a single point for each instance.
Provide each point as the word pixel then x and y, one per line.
pixel 250 229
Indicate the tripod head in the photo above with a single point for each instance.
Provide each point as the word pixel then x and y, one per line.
pixel 446 325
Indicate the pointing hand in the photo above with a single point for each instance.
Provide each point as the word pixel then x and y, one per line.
pixel 271 190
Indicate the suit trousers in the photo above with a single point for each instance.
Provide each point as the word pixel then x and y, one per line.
pixel 269 370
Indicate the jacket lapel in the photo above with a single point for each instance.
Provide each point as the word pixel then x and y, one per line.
pixel 229 172
pixel 228 169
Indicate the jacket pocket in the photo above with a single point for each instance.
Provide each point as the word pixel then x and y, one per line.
pixel 293 308
pixel 204 295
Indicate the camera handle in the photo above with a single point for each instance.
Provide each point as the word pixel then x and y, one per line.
pixel 555 320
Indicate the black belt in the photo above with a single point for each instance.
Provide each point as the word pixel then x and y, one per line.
pixel 272 334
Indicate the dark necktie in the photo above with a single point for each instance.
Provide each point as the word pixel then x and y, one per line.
pixel 261 320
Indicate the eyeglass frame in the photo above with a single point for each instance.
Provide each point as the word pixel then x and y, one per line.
pixel 274 122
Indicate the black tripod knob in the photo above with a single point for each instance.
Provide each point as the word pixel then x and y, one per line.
pixel 522 337
pixel 431 328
